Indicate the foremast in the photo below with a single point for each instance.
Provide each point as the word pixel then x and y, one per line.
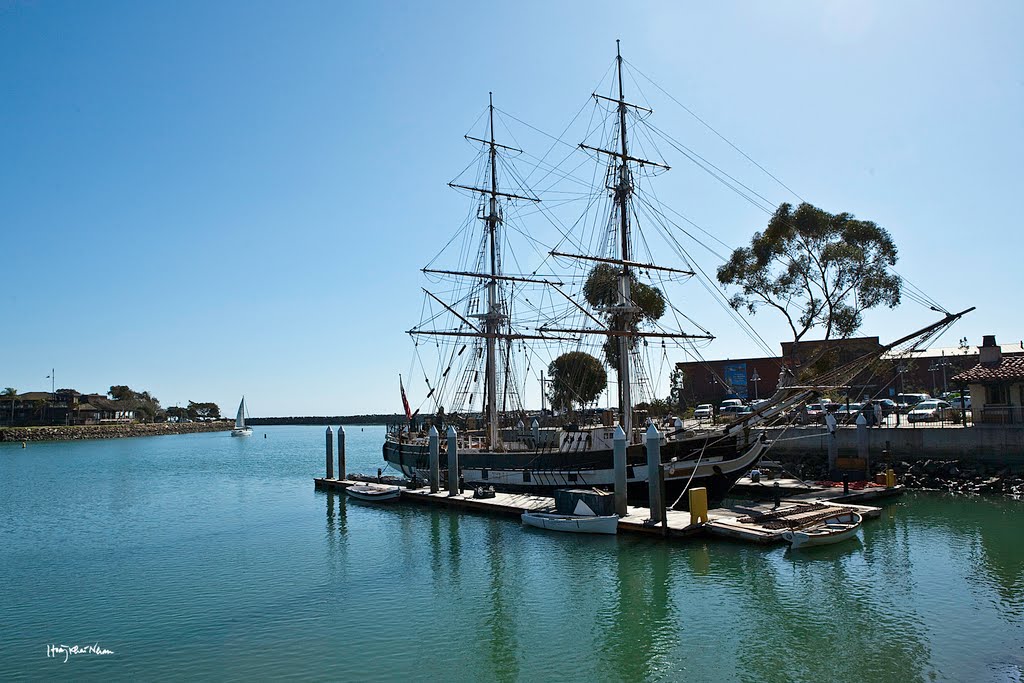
pixel 495 317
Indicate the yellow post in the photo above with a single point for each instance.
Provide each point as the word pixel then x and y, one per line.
pixel 22 444
pixel 890 478
pixel 698 505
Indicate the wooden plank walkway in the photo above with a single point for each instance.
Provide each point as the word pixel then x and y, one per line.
pixel 723 522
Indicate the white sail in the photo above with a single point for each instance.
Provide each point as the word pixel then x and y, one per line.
pixel 240 417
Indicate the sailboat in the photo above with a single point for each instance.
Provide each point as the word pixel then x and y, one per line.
pixel 496 448
pixel 240 428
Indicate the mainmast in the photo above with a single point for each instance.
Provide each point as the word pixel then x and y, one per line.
pixel 624 319
pixel 493 317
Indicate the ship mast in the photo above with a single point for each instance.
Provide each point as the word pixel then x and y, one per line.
pixel 490 325
pixel 493 317
pixel 624 319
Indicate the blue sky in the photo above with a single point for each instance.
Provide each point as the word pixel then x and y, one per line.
pixel 210 199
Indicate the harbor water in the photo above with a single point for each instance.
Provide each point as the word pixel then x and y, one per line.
pixel 208 557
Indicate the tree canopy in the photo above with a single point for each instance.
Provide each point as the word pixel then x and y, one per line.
pixel 817 269
pixel 602 291
pixel 203 411
pixel 10 391
pixel 577 378
pixel 146 405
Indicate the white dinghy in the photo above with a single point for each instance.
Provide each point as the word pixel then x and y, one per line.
pixel 584 521
pixel 377 493
pixel 839 527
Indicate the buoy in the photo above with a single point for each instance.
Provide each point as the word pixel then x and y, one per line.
pixel 22 444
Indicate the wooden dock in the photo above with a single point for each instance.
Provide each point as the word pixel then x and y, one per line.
pixel 754 522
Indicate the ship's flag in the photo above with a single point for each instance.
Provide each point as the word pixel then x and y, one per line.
pixel 405 401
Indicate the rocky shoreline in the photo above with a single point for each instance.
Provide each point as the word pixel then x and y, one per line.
pixel 118 431
pixel 960 476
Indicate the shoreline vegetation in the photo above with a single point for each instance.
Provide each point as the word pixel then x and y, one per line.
pixel 112 431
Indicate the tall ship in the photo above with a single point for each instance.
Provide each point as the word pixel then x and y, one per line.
pixel 593 298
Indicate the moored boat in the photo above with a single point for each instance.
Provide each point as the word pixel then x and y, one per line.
pixel 579 524
pixel 490 329
pixel 835 529
pixel 378 493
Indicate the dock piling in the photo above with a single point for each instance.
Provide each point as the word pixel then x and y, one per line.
pixel 435 458
pixel 619 443
pixel 330 453
pixel 453 462
pixel 833 445
pixel 341 452
pixel 862 437
pixel 653 474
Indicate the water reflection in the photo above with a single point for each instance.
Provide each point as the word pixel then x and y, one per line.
pixel 645 624
pixel 801 604
pixel 501 622
pixel 983 532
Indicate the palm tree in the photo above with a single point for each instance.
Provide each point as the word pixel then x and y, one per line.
pixel 11 393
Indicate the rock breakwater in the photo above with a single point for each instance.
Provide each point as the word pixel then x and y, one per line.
pixel 956 475
pixel 119 431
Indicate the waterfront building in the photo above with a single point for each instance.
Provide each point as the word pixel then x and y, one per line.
pixel 996 383
pixel 932 370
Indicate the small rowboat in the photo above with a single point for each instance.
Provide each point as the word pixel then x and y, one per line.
pixel 377 493
pixel 580 524
pixel 835 529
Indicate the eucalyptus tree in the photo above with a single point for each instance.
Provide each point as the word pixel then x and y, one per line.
pixel 817 269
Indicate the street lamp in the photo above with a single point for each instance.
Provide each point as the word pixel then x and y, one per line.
pixel 933 369
pixel 755 378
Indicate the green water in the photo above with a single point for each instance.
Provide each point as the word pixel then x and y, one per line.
pixel 211 558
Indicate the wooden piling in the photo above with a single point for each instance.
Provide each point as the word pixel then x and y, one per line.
pixel 862 443
pixel 833 445
pixel 341 452
pixel 653 477
pixel 453 462
pixel 330 453
pixel 619 443
pixel 435 458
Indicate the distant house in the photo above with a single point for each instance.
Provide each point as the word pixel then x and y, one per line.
pixel 98 409
pixel 63 407
pixel 996 384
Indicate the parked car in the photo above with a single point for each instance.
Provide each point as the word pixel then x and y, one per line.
pixel 704 411
pixel 729 402
pixel 929 411
pixel 847 414
pixel 826 408
pixel 889 406
pixel 906 402
pixel 733 412
pixel 966 402
pixel 954 400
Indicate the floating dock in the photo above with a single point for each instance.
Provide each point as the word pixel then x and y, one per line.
pixel 754 522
